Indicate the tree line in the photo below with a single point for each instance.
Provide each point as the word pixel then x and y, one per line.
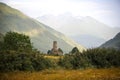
pixel 91 58
pixel 18 54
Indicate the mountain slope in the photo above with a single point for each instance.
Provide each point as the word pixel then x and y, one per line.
pixel 88 41
pixel 41 35
pixel 113 43
pixel 74 26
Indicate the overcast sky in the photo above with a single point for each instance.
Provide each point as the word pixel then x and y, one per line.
pixel 107 11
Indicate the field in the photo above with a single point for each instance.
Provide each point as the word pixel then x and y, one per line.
pixel 53 57
pixel 88 74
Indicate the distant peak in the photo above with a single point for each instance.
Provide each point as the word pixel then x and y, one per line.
pixel 89 18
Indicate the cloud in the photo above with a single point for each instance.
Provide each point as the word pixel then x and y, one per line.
pixel 57 7
pixel 99 9
pixel 53 6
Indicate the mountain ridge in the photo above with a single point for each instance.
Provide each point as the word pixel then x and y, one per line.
pixel 113 43
pixel 73 26
pixel 41 35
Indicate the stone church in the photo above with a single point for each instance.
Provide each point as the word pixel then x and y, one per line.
pixel 55 50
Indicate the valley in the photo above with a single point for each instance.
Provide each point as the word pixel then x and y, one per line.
pixel 61 47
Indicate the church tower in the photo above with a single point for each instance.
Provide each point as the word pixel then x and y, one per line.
pixel 55 45
pixel 55 50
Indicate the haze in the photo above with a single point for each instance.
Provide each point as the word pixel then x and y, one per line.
pixel 106 11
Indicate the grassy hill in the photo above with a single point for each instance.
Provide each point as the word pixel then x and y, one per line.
pixel 41 35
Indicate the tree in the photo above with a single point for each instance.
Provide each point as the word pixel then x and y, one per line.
pixel 75 50
pixel 16 41
pixel 60 50
pixel 49 52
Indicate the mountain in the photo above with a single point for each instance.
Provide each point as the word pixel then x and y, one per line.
pixel 73 26
pixel 41 35
pixel 113 43
pixel 88 41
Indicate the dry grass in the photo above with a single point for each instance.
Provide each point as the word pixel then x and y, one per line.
pixel 88 74
pixel 52 57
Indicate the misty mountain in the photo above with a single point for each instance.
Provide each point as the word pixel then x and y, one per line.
pixel 82 26
pixel 113 43
pixel 88 41
pixel 41 35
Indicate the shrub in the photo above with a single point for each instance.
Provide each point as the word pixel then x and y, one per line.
pixel 16 41
pixel 97 58
pixel 21 61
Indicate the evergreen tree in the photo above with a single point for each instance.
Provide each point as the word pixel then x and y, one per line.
pixel 60 50
pixel 75 50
